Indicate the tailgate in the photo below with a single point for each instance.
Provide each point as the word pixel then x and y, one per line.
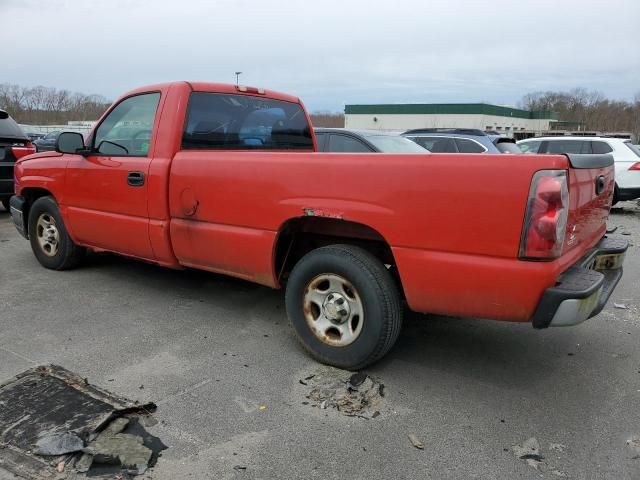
pixel 591 183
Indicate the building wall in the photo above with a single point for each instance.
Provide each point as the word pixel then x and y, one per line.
pixel 409 121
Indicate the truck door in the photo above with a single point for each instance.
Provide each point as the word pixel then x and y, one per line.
pixel 106 192
pixel 223 184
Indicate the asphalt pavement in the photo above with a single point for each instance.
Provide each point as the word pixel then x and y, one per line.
pixel 218 357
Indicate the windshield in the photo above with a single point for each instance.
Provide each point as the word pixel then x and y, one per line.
pixel 634 148
pixel 391 144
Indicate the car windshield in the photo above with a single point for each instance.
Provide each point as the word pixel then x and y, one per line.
pixel 634 148
pixel 393 144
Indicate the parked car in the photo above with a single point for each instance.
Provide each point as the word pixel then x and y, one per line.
pixel 14 144
pixel 227 179
pixel 47 143
pixel 35 135
pixel 625 154
pixel 453 140
pixel 342 140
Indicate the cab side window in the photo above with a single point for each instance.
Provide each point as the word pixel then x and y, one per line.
pixel 126 131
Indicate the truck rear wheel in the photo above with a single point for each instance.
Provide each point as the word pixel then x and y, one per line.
pixel 49 239
pixel 344 306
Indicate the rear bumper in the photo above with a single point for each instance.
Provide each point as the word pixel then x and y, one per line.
pixel 583 290
pixel 17 208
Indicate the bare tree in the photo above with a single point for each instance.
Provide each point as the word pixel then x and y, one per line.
pixel 590 108
pixel 45 105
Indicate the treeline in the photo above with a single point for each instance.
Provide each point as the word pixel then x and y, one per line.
pixel 590 108
pixel 49 106
pixel 45 105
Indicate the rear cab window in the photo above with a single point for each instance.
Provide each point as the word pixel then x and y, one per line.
pixel 569 146
pixel 219 121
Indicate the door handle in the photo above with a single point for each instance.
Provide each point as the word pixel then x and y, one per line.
pixel 135 179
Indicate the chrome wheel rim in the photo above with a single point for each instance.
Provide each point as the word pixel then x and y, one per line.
pixel 47 234
pixel 333 310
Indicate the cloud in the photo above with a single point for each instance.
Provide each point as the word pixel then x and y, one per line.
pixel 329 53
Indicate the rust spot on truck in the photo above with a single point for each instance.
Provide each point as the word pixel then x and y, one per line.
pixel 316 212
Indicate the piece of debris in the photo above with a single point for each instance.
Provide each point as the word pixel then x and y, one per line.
pixel 239 468
pixel 625 233
pixel 352 394
pixel 356 380
pixel 529 451
pixel 262 408
pixel 58 444
pixel 52 419
pixel 621 306
pixel 634 444
pixel 611 230
pixel 415 441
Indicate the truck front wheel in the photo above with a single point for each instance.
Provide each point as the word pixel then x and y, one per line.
pixel 49 239
pixel 344 306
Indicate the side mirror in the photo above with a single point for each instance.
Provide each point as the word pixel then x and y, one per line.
pixel 70 142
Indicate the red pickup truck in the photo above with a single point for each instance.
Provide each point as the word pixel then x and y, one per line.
pixel 226 178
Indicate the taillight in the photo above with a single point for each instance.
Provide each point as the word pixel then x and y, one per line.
pixel 22 149
pixel 546 217
pixel 635 166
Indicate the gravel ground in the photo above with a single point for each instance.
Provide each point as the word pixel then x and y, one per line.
pixel 220 360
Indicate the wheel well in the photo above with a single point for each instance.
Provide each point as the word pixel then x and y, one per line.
pixel 299 236
pixel 31 194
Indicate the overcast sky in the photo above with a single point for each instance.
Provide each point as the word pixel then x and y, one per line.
pixel 328 52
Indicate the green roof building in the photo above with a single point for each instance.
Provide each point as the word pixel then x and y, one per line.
pixel 482 116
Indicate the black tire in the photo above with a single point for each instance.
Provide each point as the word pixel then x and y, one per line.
pixel 615 196
pixel 382 315
pixel 67 255
pixel 5 203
